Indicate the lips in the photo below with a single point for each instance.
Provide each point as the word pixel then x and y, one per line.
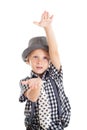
pixel 39 67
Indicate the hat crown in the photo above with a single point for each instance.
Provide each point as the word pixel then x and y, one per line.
pixel 35 43
pixel 37 40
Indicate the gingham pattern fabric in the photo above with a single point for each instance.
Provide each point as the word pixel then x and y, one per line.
pixel 56 124
pixel 44 109
pixel 65 105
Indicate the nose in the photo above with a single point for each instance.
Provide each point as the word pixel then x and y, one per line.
pixel 39 61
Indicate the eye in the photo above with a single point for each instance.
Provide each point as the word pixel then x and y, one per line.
pixel 45 58
pixel 35 57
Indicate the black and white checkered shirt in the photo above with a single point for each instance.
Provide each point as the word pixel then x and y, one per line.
pixel 57 76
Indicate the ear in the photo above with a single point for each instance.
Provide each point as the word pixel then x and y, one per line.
pixel 27 61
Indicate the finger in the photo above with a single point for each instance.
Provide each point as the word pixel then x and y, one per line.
pixel 33 87
pixel 43 16
pixel 24 82
pixel 46 15
pixel 37 23
pixel 51 17
pixel 30 84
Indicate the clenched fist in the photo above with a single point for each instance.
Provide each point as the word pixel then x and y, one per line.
pixel 35 85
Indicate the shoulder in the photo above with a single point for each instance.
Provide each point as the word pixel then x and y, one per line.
pixel 53 69
pixel 55 73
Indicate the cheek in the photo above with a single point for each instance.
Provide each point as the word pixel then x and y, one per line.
pixel 47 64
pixel 32 63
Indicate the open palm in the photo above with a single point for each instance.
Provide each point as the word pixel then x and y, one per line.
pixel 46 20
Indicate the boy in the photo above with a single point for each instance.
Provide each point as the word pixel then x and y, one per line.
pixel 47 107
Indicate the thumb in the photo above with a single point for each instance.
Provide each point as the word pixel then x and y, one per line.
pixel 37 23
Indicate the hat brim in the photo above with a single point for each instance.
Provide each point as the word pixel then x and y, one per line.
pixel 28 50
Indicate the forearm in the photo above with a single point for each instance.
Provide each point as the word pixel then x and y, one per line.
pixel 32 95
pixel 51 40
pixel 53 46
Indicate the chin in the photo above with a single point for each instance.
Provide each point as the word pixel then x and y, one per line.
pixel 40 73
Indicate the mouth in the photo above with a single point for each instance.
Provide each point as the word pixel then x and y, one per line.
pixel 39 67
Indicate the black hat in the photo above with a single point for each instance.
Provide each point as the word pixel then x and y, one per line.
pixel 35 43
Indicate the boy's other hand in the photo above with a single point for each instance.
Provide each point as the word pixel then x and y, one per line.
pixel 33 83
pixel 34 88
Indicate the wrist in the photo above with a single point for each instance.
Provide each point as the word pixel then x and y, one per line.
pixel 48 27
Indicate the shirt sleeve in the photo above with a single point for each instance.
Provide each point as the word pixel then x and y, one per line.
pixel 23 89
pixel 56 74
pixel 65 104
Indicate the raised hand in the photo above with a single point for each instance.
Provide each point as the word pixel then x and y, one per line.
pixel 45 21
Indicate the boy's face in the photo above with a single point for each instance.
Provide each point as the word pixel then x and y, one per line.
pixel 39 61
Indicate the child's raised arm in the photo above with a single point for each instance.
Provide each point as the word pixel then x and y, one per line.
pixel 45 22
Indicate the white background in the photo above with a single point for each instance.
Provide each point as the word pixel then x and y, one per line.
pixel 16 28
